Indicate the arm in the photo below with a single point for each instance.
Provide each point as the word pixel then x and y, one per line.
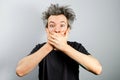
pixel 28 63
pixel 88 61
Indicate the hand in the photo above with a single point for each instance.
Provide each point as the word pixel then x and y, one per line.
pixel 48 40
pixel 57 40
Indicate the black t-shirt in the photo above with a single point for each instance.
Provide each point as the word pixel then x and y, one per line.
pixel 58 66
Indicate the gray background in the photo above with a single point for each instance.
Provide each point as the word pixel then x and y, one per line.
pixel 97 27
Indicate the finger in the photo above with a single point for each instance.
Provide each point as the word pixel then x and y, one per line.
pixel 50 34
pixel 51 41
pixel 55 37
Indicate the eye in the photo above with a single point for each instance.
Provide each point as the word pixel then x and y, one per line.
pixel 51 25
pixel 62 25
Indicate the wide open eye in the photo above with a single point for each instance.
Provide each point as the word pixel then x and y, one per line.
pixel 62 25
pixel 51 25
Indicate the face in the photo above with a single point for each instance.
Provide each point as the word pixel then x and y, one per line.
pixel 57 24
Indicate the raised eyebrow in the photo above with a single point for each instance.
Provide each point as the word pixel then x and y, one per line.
pixel 62 22
pixel 54 22
pixel 51 22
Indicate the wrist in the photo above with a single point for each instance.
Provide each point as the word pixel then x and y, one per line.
pixel 48 46
pixel 65 47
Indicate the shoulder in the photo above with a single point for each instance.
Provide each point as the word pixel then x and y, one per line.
pixel 37 47
pixel 78 46
pixel 74 44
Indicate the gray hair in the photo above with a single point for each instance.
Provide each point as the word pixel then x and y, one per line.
pixel 55 9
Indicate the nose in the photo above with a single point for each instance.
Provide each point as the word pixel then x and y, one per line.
pixel 57 29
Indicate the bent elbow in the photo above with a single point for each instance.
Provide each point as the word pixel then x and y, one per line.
pixel 99 70
pixel 19 72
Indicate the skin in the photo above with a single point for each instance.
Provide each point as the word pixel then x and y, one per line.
pixel 57 34
pixel 57 30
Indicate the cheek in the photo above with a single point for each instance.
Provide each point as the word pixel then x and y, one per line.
pixel 63 31
pixel 50 29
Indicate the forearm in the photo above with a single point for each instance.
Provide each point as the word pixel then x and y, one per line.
pixel 89 62
pixel 28 63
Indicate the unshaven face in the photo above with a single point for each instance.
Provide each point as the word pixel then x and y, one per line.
pixel 57 24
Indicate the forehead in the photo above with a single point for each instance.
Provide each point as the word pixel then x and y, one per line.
pixel 57 19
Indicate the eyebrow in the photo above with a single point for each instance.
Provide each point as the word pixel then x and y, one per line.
pixel 51 22
pixel 63 22
pixel 60 22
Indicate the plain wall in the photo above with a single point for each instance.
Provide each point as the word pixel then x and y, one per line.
pixel 97 27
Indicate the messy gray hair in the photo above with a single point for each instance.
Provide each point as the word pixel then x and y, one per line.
pixel 55 9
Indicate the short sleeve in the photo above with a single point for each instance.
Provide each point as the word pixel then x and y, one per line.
pixel 36 48
pixel 82 49
pixel 79 47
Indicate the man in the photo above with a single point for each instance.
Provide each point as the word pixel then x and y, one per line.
pixel 58 59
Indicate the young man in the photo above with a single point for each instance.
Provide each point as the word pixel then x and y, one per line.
pixel 58 59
